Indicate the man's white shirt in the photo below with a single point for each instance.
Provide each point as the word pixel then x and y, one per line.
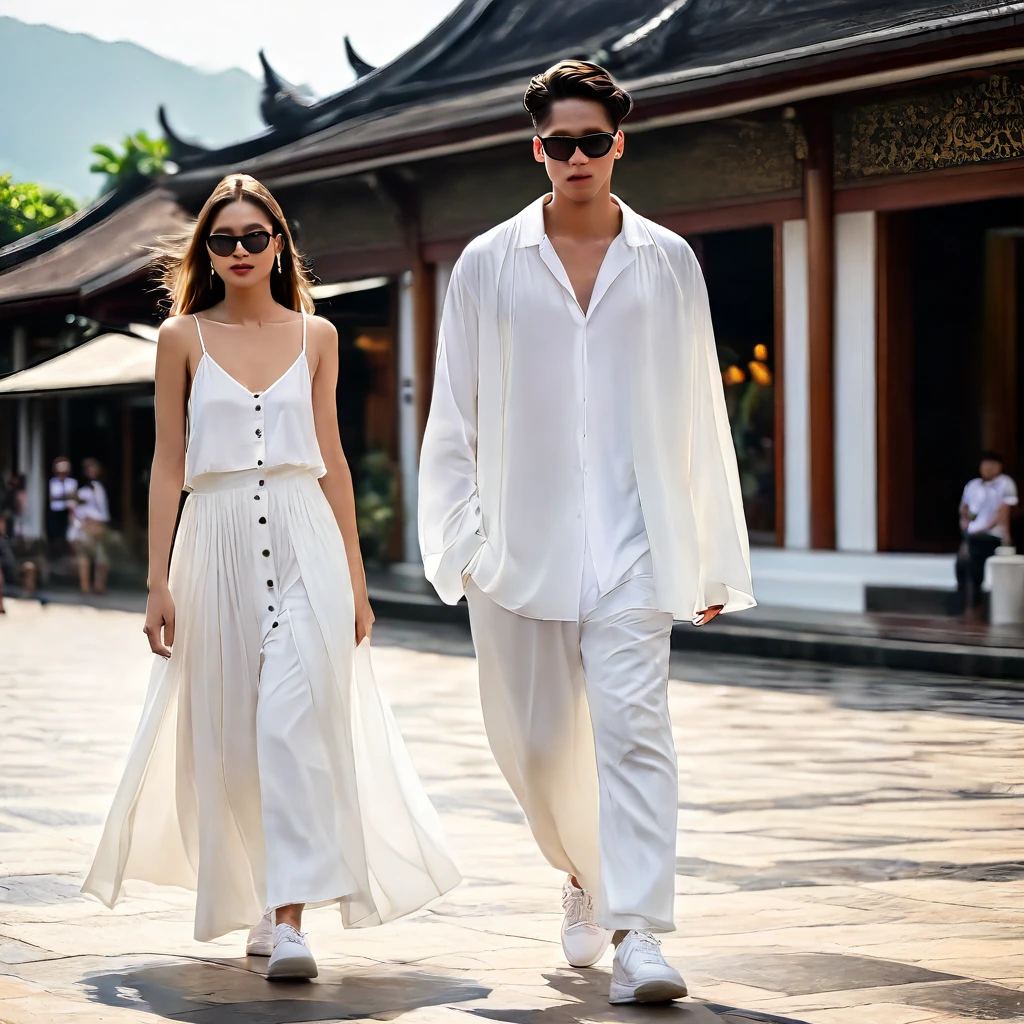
pixel 61 492
pixel 552 429
pixel 984 498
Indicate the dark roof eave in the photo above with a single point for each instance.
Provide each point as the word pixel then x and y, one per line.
pixel 40 303
pixel 367 94
pixel 77 392
pixel 68 298
pixel 841 62
pixel 41 242
pixel 694 94
pixel 353 101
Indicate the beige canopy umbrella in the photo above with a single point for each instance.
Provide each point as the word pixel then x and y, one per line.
pixel 107 361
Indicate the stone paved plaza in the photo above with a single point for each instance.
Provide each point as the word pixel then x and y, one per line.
pixel 850 852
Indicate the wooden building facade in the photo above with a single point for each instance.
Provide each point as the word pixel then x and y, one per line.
pixel 851 176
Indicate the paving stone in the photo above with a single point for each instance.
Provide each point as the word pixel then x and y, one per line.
pixel 848 853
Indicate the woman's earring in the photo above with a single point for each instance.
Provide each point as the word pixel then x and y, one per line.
pixel 279 263
pixel 212 272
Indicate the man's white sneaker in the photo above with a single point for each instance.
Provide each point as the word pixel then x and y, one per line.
pixel 583 939
pixel 640 974
pixel 261 937
pixel 291 957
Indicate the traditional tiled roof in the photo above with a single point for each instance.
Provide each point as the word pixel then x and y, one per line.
pixel 471 70
pixel 486 44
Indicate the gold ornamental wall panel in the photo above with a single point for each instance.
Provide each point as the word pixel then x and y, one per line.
pixel 969 122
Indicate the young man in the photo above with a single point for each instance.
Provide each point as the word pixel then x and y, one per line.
pixel 985 510
pixel 578 482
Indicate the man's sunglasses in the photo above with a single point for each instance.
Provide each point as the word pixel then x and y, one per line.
pixel 562 147
pixel 224 245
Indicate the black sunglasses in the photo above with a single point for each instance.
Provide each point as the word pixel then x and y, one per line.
pixel 562 147
pixel 253 243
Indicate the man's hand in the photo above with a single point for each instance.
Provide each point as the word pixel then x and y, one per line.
pixel 708 614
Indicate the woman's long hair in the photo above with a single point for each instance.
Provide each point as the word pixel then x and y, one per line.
pixel 183 264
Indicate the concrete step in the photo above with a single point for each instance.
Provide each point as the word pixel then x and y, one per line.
pixel 934 645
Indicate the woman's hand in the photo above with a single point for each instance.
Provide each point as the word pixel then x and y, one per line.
pixel 160 619
pixel 364 619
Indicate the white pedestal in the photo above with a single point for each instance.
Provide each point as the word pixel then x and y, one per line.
pixel 1005 575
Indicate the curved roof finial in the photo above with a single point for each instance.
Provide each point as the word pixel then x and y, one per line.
pixel 280 104
pixel 181 149
pixel 361 67
pixel 272 81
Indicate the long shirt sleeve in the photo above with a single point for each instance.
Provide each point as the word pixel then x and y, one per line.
pixel 450 530
pixel 715 482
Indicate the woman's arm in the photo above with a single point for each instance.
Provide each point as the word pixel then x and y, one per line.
pixel 337 484
pixel 168 475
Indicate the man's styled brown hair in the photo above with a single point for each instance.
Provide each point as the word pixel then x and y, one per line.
pixel 578 80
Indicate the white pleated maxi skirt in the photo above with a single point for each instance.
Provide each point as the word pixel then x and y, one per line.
pixel 315 799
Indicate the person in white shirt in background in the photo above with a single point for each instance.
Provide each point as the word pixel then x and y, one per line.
pixel 88 532
pixel 63 495
pixel 985 510
pixel 578 482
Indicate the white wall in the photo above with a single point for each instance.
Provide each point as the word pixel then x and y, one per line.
pixel 854 383
pixel 30 447
pixel 837 581
pixel 408 441
pixel 796 385
pixel 408 398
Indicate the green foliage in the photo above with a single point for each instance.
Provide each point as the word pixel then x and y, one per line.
pixel 26 207
pixel 143 156
pixel 376 497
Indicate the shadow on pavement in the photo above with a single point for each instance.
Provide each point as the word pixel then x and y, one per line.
pixel 228 992
pixel 587 992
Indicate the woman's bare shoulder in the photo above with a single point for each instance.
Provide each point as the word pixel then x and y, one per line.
pixel 321 327
pixel 177 331
pixel 321 332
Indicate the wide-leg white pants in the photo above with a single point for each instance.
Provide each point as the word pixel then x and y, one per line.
pixel 577 717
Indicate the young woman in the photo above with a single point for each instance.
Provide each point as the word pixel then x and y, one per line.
pixel 267 771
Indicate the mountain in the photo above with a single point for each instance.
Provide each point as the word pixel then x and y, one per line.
pixel 63 92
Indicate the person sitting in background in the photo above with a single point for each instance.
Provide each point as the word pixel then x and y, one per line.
pixel 10 571
pixel 63 492
pixel 984 526
pixel 89 530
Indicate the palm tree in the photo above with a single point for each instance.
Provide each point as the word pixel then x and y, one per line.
pixel 143 156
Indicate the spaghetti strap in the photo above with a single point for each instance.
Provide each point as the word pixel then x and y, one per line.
pixel 303 332
pixel 202 344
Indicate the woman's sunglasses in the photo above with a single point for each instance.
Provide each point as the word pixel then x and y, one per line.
pixel 224 245
pixel 562 147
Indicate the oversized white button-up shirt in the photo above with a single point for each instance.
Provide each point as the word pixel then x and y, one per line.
pixel 550 429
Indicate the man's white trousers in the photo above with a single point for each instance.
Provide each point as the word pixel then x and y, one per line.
pixel 577 717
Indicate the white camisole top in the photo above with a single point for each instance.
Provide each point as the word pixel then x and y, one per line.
pixel 231 429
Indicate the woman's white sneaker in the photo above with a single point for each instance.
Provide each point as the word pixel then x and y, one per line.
pixel 640 974
pixel 583 939
pixel 261 937
pixel 291 957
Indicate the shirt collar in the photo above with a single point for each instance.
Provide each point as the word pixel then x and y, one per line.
pixel 531 225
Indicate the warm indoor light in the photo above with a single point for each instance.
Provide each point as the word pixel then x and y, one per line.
pixel 734 375
pixel 760 373
pixel 761 353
